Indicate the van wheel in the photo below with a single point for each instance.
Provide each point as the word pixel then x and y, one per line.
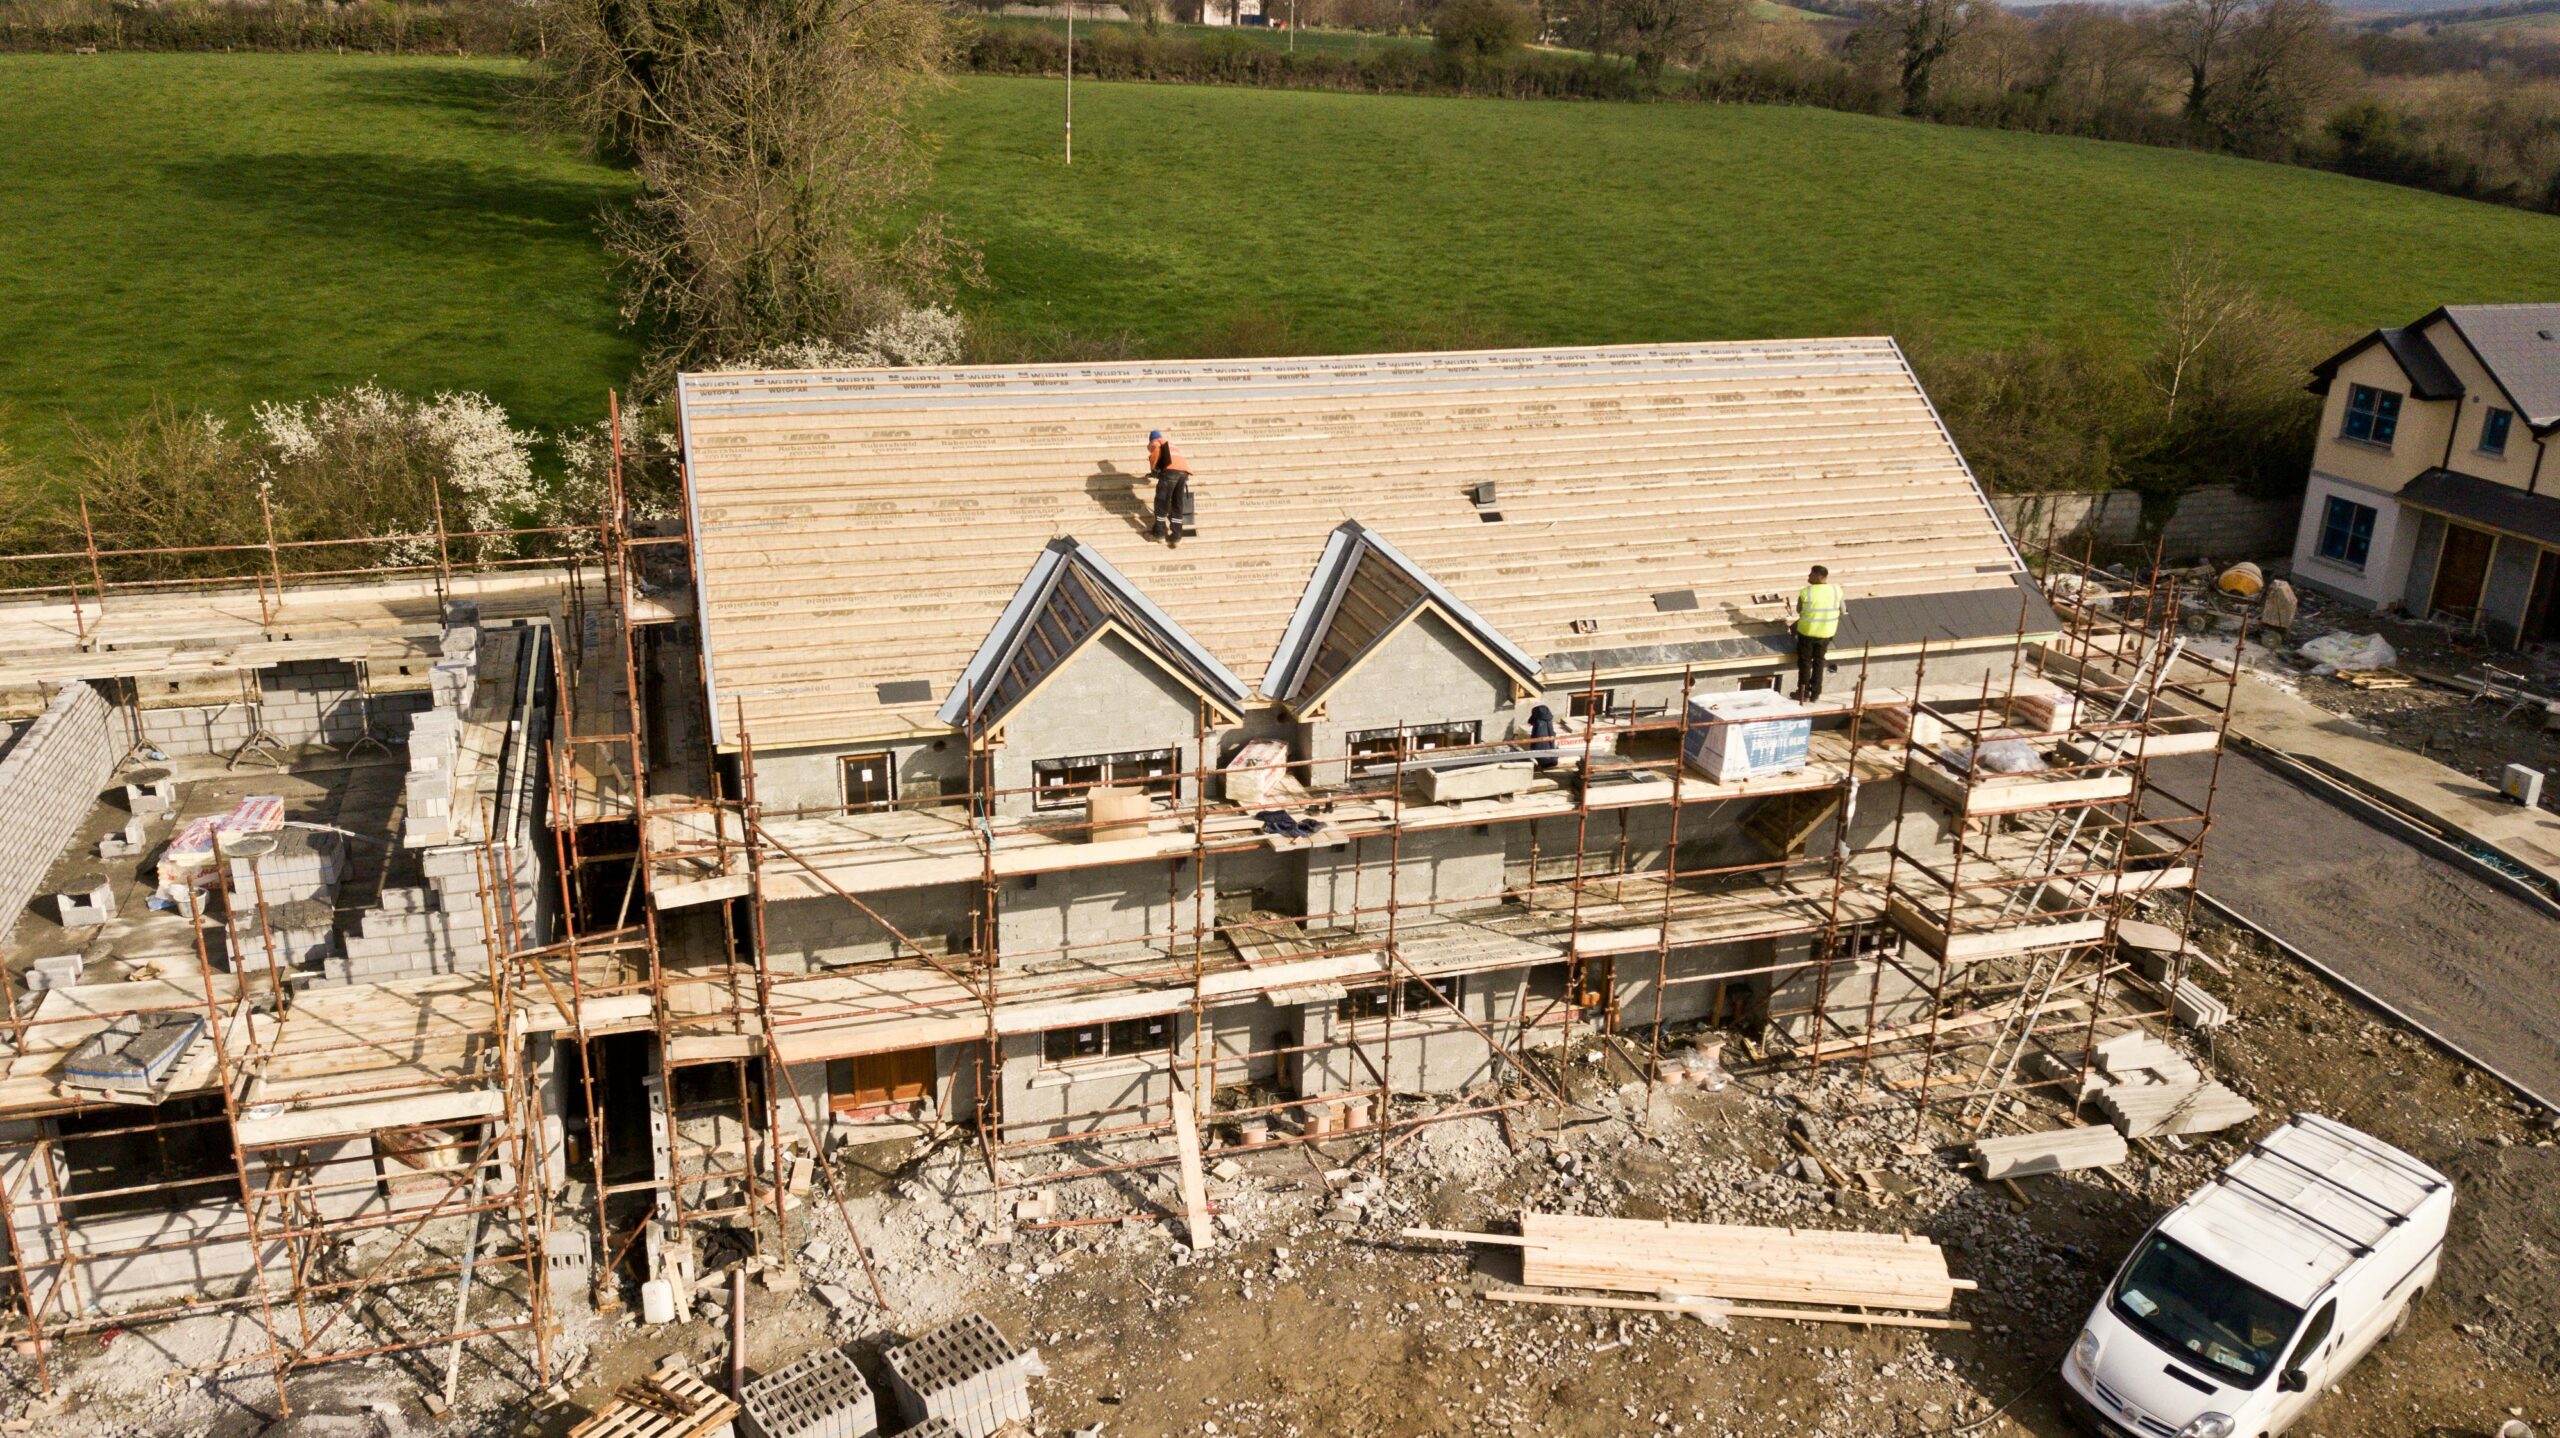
pixel 2400 1320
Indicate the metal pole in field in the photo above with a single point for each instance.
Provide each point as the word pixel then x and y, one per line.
pixel 1293 27
pixel 1071 81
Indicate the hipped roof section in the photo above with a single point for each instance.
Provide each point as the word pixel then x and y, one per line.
pixel 1363 590
pixel 1071 595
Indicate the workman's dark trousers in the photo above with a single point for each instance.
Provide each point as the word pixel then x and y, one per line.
pixel 1810 655
pixel 1171 486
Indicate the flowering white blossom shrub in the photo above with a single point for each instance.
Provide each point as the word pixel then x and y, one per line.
pixel 918 336
pixel 380 462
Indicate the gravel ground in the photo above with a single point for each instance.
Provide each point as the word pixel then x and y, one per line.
pixel 2452 950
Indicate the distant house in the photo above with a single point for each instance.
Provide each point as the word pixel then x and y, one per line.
pixel 2432 485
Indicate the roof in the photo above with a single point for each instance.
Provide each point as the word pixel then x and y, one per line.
pixel 857 533
pixel 2289 1215
pixel 1072 596
pixel 2520 347
pixel 2485 503
pixel 1363 590
pixel 2429 376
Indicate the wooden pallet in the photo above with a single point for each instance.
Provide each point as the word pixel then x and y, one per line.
pixel 672 1402
pixel 2378 678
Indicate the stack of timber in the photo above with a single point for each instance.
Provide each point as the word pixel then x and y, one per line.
pixel 2195 1008
pixel 2061 1150
pixel 2158 1110
pixel 1816 1274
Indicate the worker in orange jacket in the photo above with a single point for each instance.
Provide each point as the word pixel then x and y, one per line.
pixel 1172 474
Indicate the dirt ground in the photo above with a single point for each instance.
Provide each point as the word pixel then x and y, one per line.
pixel 2436 717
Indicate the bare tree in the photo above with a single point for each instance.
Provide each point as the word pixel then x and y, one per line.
pixel 2252 69
pixel 773 148
pixel 1917 35
pixel 2100 58
pixel 1656 33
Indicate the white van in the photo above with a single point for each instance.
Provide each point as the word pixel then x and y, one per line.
pixel 2246 1302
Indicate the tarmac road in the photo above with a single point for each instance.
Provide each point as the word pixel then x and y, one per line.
pixel 2456 953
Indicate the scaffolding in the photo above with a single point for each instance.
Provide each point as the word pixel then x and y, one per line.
pixel 664 976
pixel 2005 937
pixel 366 1171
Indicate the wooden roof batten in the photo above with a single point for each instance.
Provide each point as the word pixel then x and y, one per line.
pixel 845 519
pixel 1363 592
pixel 1071 599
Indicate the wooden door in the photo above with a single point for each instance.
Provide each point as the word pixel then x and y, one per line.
pixel 881 1080
pixel 2462 570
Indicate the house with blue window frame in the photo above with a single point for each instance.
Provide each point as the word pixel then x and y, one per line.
pixel 2431 487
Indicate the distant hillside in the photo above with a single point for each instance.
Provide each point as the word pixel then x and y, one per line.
pixel 2455 14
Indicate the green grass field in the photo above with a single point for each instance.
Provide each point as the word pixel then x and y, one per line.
pixel 219 229
pixel 222 229
pixel 1361 218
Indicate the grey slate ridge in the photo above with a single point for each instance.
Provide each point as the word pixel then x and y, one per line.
pixel 2429 376
pixel 1904 619
pixel 1349 546
pixel 1076 589
pixel 2520 347
pixel 2491 506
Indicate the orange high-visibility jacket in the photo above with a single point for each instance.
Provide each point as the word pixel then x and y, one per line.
pixel 1162 455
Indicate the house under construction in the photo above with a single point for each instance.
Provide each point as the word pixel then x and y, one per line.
pixel 498 929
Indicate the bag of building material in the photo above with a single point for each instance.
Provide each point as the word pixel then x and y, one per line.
pixel 1258 776
pixel 2001 752
pixel 2351 651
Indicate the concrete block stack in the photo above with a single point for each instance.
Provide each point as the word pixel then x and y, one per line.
pixel 965 1373
pixel 818 1395
pixel 568 1261
pixel 127 842
pixel 54 971
pixel 443 927
pixel 88 904
pixel 49 780
pixel 296 872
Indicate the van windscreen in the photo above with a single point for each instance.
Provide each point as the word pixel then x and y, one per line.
pixel 2202 1314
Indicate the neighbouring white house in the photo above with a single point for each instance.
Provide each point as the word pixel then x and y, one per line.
pixel 2431 486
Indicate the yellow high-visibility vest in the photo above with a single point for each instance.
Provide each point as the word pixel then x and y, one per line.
pixel 1818 609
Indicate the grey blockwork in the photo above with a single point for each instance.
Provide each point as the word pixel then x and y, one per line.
pixel 472 895
pixel 301 701
pixel 49 780
pixel 965 1373
pixel 817 1395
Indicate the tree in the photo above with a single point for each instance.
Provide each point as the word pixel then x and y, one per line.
pixel 1480 29
pixel 1655 33
pixel 773 148
pixel 2253 69
pixel 1918 34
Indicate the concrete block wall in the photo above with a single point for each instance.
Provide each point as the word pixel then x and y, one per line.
pixel 1079 1097
pixel 804 935
pixel 49 780
pixel 2216 521
pixel 1038 915
pixel 1109 699
pixel 2210 521
pixel 1426 673
pixel 1438 869
pixel 306 701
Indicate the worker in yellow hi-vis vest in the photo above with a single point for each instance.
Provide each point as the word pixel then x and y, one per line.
pixel 1816 610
